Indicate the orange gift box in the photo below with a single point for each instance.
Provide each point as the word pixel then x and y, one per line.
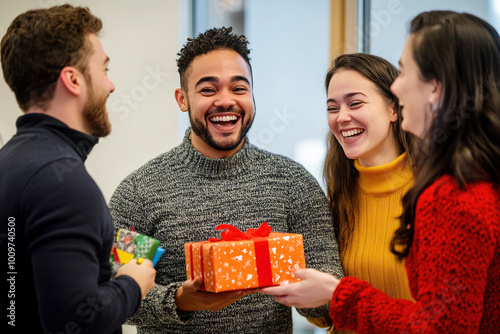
pixel 245 260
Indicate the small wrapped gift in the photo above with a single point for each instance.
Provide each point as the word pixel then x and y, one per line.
pixel 130 245
pixel 240 260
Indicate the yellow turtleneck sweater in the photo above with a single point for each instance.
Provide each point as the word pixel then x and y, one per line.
pixel 368 255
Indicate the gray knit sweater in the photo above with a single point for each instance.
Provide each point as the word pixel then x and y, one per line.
pixel 181 196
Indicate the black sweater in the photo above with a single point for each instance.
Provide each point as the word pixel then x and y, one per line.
pixel 56 235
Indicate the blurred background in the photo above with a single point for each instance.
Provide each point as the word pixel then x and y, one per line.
pixel 292 44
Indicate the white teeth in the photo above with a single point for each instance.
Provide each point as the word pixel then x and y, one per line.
pixel 351 132
pixel 223 118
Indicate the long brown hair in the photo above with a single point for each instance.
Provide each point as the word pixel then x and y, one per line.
pixel 462 52
pixel 340 175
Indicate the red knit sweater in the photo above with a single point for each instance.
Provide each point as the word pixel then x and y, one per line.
pixel 453 270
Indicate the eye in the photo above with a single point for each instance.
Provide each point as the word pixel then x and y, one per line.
pixel 332 109
pixel 356 104
pixel 240 89
pixel 207 91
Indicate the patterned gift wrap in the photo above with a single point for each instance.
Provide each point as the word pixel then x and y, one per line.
pixel 251 261
pixel 130 245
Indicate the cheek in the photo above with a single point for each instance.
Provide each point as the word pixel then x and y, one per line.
pixel 332 122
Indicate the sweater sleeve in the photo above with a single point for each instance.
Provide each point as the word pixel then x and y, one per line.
pixel 67 223
pixel 310 216
pixel 159 305
pixel 447 269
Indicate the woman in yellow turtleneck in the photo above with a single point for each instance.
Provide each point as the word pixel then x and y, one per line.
pixel 367 170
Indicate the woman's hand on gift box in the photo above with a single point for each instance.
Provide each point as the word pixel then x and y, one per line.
pixel 189 298
pixel 314 289
pixel 142 273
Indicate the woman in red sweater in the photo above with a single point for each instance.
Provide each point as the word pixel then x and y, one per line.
pixel 450 227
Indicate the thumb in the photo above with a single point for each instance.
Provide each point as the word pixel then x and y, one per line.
pixel 197 282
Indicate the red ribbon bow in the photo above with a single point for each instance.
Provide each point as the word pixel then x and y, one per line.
pixel 232 233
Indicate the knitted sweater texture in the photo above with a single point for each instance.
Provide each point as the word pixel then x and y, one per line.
pixel 368 255
pixel 453 269
pixel 181 196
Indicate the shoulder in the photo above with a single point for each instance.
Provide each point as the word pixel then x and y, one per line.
pixel 480 198
pixel 277 162
pixel 447 188
pixel 157 167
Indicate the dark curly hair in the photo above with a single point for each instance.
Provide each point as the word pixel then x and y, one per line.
pixel 210 40
pixel 39 44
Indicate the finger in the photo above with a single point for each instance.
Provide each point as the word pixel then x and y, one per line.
pixel 301 273
pixel 275 290
pixel 283 300
pixel 146 262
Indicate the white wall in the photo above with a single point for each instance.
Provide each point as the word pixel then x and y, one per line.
pixel 141 39
pixel 289 41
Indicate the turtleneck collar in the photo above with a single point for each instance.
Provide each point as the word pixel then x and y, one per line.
pixel 235 165
pixel 81 142
pixel 384 178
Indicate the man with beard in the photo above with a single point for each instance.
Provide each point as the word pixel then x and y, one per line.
pixel 216 177
pixel 56 229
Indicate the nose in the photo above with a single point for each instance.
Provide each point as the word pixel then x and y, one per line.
pixel 224 99
pixel 343 115
pixel 394 86
pixel 111 86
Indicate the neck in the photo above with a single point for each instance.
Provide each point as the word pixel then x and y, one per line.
pixel 64 110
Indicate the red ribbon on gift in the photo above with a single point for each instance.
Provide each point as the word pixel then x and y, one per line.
pixel 261 244
pixel 232 233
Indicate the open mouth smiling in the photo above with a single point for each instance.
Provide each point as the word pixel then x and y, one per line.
pixel 351 133
pixel 226 120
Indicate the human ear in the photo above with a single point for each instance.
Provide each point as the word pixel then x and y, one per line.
pixel 435 92
pixel 393 117
pixel 181 98
pixel 71 79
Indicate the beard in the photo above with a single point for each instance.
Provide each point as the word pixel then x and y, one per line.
pixel 201 130
pixel 95 114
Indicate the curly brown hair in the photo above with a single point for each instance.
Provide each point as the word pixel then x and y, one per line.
pixel 39 44
pixel 210 40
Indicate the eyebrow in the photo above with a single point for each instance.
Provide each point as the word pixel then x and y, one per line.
pixel 346 96
pixel 216 80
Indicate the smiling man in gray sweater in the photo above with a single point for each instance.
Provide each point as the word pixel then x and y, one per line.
pixel 215 176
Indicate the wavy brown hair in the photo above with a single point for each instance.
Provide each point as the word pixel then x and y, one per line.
pixel 39 44
pixel 340 175
pixel 461 52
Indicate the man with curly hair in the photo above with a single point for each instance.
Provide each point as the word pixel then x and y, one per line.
pixel 216 176
pixel 56 231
